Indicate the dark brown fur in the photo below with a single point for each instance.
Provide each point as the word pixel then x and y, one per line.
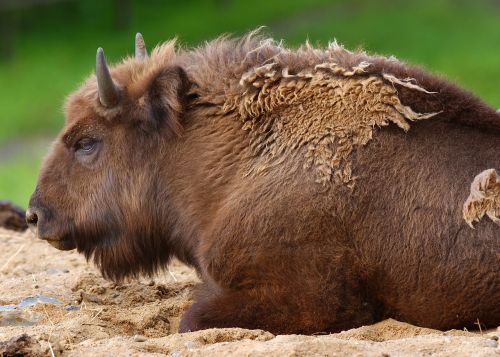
pixel 275 249
pixel 12 217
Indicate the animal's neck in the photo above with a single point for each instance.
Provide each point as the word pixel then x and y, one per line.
pixel 204 165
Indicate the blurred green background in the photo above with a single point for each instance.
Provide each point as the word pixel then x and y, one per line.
pixel 47 47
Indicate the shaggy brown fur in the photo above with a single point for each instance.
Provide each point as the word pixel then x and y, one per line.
pixel 267 169
pixel 12 217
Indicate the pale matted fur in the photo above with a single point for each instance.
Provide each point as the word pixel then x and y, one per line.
pixel 327 109
pixel 308 101
pixel 484 198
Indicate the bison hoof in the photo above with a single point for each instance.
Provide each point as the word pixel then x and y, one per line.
pixel 190 321
pixel 198 317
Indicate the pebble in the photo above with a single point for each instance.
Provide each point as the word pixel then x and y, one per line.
pixel 139 338
pixel 72 308
pixel 190 345
pixel 492 343
pixel 35 286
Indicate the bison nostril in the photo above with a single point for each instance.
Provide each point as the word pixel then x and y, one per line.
pixel 31 218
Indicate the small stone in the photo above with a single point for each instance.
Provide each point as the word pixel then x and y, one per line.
pixel 139 338
pixel 494 337
pixel 190 345
pixel 35 286
pixel 65 270
pixel 492 343
pixel 151 283
pixel 72 308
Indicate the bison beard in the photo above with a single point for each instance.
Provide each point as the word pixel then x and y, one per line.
pixel 313 190
pixel 127 247
pixel 119 255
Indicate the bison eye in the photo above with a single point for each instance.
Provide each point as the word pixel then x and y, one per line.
pixel 85 146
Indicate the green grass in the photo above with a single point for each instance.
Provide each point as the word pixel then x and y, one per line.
pixel 51 63
pixel 459 39
pixel 18 178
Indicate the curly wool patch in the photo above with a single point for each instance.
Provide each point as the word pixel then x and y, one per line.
pixel 327 109
pixel 484 198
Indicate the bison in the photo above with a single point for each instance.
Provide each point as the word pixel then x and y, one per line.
pixel 313 189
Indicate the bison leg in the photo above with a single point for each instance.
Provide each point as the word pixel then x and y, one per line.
pixel 294 309
pixel 280 267
pixel 281 291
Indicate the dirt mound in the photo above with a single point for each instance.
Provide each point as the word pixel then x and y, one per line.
pixel 54 302
pixel 21 345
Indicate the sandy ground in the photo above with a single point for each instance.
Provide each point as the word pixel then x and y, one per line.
pixel 140 318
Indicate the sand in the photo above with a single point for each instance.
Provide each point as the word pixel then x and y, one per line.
pixel 140 318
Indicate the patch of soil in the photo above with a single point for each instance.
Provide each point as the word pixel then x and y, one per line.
pixel 21 345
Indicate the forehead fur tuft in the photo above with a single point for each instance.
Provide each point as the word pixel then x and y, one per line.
pixel 132 76
pixel 142 73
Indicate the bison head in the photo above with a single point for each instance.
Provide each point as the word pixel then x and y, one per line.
pixel 100 189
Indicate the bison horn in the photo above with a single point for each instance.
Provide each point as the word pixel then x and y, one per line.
pixel 108 93
pixel 140 48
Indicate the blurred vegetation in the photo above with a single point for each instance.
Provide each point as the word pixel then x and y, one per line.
pixel 48 47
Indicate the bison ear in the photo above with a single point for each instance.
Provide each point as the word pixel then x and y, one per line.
pixel 166 97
